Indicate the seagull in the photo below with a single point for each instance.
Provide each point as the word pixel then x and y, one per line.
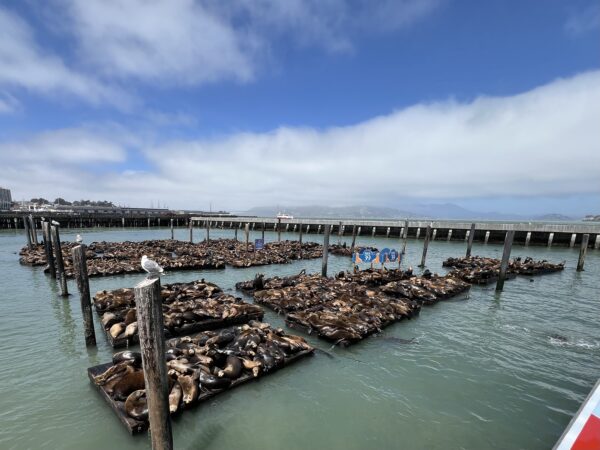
pixel 55 223
pixel 78 239
pixel 152 267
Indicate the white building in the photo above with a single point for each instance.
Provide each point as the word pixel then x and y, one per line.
pixel 5 199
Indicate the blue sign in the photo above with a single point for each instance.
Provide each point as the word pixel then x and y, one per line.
pixel 393 256
pixel 384 255
pixel 367 255
pixel 259 244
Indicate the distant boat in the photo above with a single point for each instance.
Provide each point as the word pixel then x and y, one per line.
pixel 281 215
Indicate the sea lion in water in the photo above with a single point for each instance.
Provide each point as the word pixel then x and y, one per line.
pixel 233 368
pixel 130 382
pixel 136 405
pixel 175 397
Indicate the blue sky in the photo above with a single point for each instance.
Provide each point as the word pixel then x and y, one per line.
pixel 490 105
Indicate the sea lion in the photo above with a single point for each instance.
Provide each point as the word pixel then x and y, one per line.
pixel 233 368
pixel 131 329
pixel 175 397
pixel 130 317
pixel 253 365
pixel 129 357
pixel 118 369
pixel 136 405
pixel 116 329
pixel 130 382
pixel 189 387
pixel 212 382
pixel 109 319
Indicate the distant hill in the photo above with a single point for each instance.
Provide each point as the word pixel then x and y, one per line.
pixel 337 212
pixel 554 217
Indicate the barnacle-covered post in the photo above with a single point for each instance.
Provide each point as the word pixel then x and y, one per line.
pixel 582 251
pixel 325 250
pixel 83 285
pixel 425 245
pixel 48 248
pixel 470 242
pixel 508 241
pixel 60 266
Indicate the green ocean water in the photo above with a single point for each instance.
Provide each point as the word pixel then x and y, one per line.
pixel 487 370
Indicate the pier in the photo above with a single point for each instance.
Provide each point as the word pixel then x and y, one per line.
pixel 547 234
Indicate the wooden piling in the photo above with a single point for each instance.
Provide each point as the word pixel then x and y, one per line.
pixel 449 234
pixel 235 231
pixel 582 251
pixel 27 232
pixel 48 249
pixel 572 243
pixel 247 233
pixel 425 245
pixel 405 237
pixel 208 231
pixel 418 232
pixel 471 237
pixel 300 236
pixel 527 238
pixel 172 231
pixel 325 250
pixel 278 230
pixel 353 239
pixel 508 241
pixel 597 242
pixel 434 234
pixel 487 237
pixel 83 285
pixel 373 232
pixel 152 345
pixel 340 233
pixel 387 232
pixel 550 239
pixel 191 232
pixel 263 231
pixel 33 230
pixel 58 256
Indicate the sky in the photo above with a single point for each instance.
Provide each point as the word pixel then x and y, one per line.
pixel 492 106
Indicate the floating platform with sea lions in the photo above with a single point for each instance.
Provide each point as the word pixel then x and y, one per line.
pixel 199 367
pixel 483 270
pixel 187 308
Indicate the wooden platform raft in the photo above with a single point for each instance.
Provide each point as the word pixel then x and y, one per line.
pixel 199 367
pixel 482 270
pixel 351 306
pixel 187 308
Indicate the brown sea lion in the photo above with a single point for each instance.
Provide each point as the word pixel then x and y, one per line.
pixel 175 397
pixel 128 383
pixel 189 387
pixel 212 382
pixel 116 329
pixel 109 319
pixel 130 329
pixel 233 368
pixel 136 405
pixel 129 357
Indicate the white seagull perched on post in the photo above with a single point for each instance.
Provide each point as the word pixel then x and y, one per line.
pixel 152 267
pixel 78 239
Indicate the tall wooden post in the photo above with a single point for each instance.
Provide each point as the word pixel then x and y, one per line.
pixel 207 231
pixel 449 234
pixel 353 240
pixel 582 251
pixel 48 249
pixel 83 285
pixel 508 241
pixel 191 232
pixel 32 229
pixel 235 231
pixel 278 230
pixel 60 266
pixel 340 234
pixel 152 344
pixel 172 231
pixel 405 238
pixel 263 231
pixel 470 242
pixel 247 233
pixel 27 232
pixel 425 245
pixel 300 235
pixel 325 250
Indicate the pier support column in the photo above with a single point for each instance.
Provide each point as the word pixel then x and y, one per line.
pixel 294 229
pixel 48 248
pixel 573 237
pixel 434 234
pixel 418 232
pixel 597 242
pixel 487 237
pixel 83 285
pixel 470 241
pixel 508 241
pixel 550 239
pixel 307 229
pixel 325 250
pixel 527 238
pixel 353 239
pixel 58 256
pixel 373 232
pixel 582 251
pixel 401 232
pixel 287 227
pixel 300 236
pixel 449 234
pixel 405 237
pixel 247 233
pixel 387 233
pixel 172 232
pixel 319 229
pixel 27 232
pixel 425 245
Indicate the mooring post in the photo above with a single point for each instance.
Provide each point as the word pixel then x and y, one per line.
pixel 278 230
pixel 172 231
pixel 27 232
pixel 60 266
pixel 572 243
pixel 550 239
pixel 34 236
pixel 405 237
pixel 597 242
pixel 353 240
pixel 152 344
pixel 48 249
pixel 247 233
pixel 387 232
pixel 340 233
pixel 300 235
pixel 582 251
pixel 527 238
pixel 470 241
pixel 449 234
pixel 191 232
pixel 373 232
pixel 83 285
pixel 207 231
pixel 418 233
pixel 325 250
pixel 235 233
pixel 508 241
pixel 425 245
pixel 487 237
pixel 263 231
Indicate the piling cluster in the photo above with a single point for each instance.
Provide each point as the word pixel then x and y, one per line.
pixel 483 270
pixel 198 367
pixel 186 308
pixel 351 306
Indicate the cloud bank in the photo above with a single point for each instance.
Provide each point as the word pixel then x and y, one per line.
pixel 541 142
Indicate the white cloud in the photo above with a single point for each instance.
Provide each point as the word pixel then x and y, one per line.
pixel 23 64
pixel 539 143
